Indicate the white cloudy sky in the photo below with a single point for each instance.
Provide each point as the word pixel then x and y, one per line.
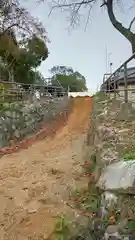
pixel 84 51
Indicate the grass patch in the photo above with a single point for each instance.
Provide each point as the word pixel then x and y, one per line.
pixel 87 201
pixel 78 195
pixel 128 152
pixel 129 156
pixel 71 230
pixel 62 228
pixel 90 165
pixel 90 204
pixel 100 96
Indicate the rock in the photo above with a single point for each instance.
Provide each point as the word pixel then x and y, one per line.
pixel 13 126
pixel 5 129
pixel 107 133
pixel 109 156
pixel 104 102
pixel 19 119
pixel 118 176
pixel 32 207
pixel 6 105
pixel 123 131
pixel 17 133
pixel 108 198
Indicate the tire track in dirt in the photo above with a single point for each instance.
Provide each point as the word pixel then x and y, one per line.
pixel 35 183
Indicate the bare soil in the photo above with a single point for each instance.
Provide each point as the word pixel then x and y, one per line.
pixel 35 183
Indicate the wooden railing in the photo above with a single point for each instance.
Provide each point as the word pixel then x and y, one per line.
pixel 111 82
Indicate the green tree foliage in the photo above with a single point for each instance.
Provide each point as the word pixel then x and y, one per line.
pixel 22 43
pixel 30 56
pixel 21 60
pixel 67 78
pixel 39 78
pixel 3 70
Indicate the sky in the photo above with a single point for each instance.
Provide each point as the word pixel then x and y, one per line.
pixel 89 50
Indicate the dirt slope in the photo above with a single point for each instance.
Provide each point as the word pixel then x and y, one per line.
pixel 35 182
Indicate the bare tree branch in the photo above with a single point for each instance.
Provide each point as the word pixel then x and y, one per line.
pixel 130 25
pixel 75 8
pixel 79 4
pixel 88 17
pixel 3 31
pixel 14 16
pixel 118 25
pixel 104 3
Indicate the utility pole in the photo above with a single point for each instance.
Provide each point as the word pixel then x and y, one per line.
pixel 111 64
pixel 106 58
pixel 109 60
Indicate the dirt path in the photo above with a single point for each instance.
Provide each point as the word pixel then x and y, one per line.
pixel 35 183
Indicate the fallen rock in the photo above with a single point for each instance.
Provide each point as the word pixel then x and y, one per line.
pixel 109 156
pixel 118 176
pixel 32 207
pixel 107 133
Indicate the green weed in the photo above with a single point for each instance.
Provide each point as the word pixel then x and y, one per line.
pixel 90 166
pixel 62 229
pixel 129 156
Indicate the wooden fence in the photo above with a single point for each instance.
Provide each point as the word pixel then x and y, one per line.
pixel 13 92
pixel 111 82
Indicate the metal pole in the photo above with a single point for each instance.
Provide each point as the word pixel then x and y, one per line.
pixel 111 67
pixel 104 78
pixel 109 54
pixel 106 52
pixel 126 84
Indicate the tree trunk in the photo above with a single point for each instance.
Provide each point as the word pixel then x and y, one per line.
pixel 126 32
pixel 133 43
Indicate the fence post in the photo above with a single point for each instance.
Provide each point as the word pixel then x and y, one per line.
pixel 114 86
pixel 118 84
pixel 109 88
pixel 125 84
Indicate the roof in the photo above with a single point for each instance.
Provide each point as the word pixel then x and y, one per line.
pixel 120 77
pixel 130 73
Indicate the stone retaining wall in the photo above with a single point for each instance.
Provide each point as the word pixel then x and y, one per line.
pixel 18 120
